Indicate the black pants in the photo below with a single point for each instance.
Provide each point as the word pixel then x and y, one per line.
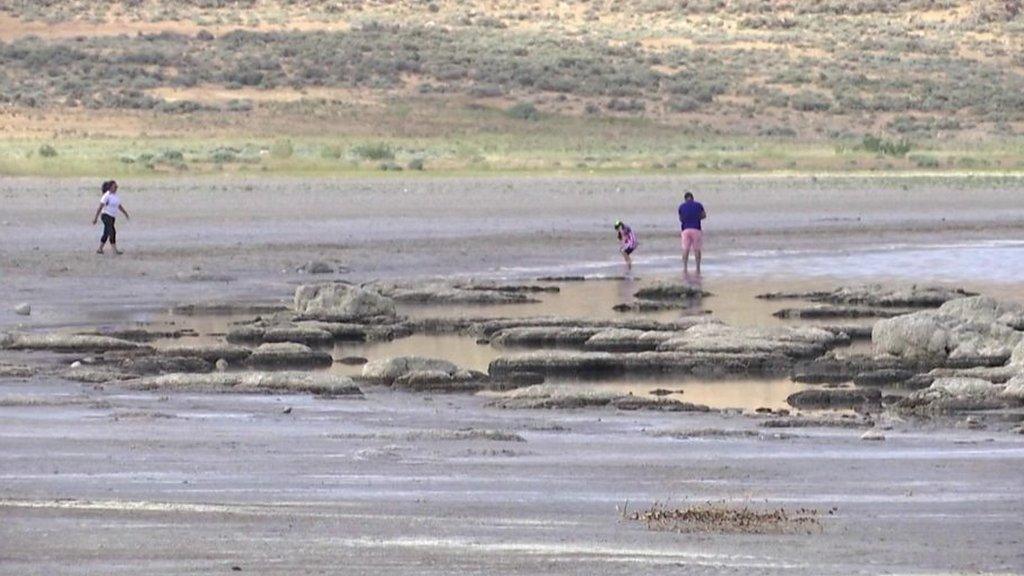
pixel 109 232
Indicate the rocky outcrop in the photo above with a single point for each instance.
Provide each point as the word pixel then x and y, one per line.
pixel 950 395
pixel 597 364
pixel 883 377
pixel 828 421
pixel 442 381
pixel 96 374
pixel 141 334
pixel 439 293
pixel 834 367
pixel 226 308
pixel 499 287
pixel 625 340
pixel 540 336
pixel 561 279
pixel 977 331
pixel 355 332
pixel 850 331
pixel 669 291
pixel 387 371
pixel 314 332
pixel 794 342
pixel 323 383
pixel 656 404
pixel 302 334
pixel 487 328
pixel 288 355
pixel 316 267
pixel 208 352
pixel 1013 391
pixel 343 303
pixel 660 306
pixel 545 397
pixel 16 371
pixel 834 398
pixel 821 311
pixel 165 364
pixel 910 296
pixel 69 343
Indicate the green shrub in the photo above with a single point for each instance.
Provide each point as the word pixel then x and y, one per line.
pixel 223 156
pixel 416 164
pixel 925 161
pixel 777 132
pixel 378 151
pixel 235 105
pixel 47 151
pixel 330 152
pixel 523 111
pixel 810 102
pixel 282 150
pixel 172 156
pixel 683 104
pixel 898 148
pixel 626 105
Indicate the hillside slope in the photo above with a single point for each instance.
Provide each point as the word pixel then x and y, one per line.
pixel 484 84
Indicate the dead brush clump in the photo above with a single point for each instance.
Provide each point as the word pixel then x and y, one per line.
pixel 720 518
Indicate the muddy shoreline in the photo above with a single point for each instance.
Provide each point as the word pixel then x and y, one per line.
pixel 196 239
pixel 446 467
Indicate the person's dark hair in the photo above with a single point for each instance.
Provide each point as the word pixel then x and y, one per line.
pixel 108 185
pixel 688 196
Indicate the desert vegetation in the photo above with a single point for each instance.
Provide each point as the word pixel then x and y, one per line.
pixel 445 80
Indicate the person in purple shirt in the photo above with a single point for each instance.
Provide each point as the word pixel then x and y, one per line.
pixel 691 213
pixel 627 242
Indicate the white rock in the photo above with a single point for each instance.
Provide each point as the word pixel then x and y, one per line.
pixel 1014 389
pixel 984 309
pixel 873 436
pixel 975 327
pixel 390 369
pixel 314 382
pixel 341 302
pixel 802 341
pixel 961 387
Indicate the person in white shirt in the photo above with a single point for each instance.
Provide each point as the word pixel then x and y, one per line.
pixel 110 204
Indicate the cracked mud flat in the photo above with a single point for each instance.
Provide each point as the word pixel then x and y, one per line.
pixel 100 478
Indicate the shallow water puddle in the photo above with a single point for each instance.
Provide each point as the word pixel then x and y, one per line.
pixel 743 394
pixel 733 300
pixel 462 350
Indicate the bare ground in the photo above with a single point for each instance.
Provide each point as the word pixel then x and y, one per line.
pixel 256 233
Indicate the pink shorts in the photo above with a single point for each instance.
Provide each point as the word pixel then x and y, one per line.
pixel 693 239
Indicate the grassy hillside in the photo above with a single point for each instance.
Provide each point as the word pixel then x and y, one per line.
pixel 149 86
